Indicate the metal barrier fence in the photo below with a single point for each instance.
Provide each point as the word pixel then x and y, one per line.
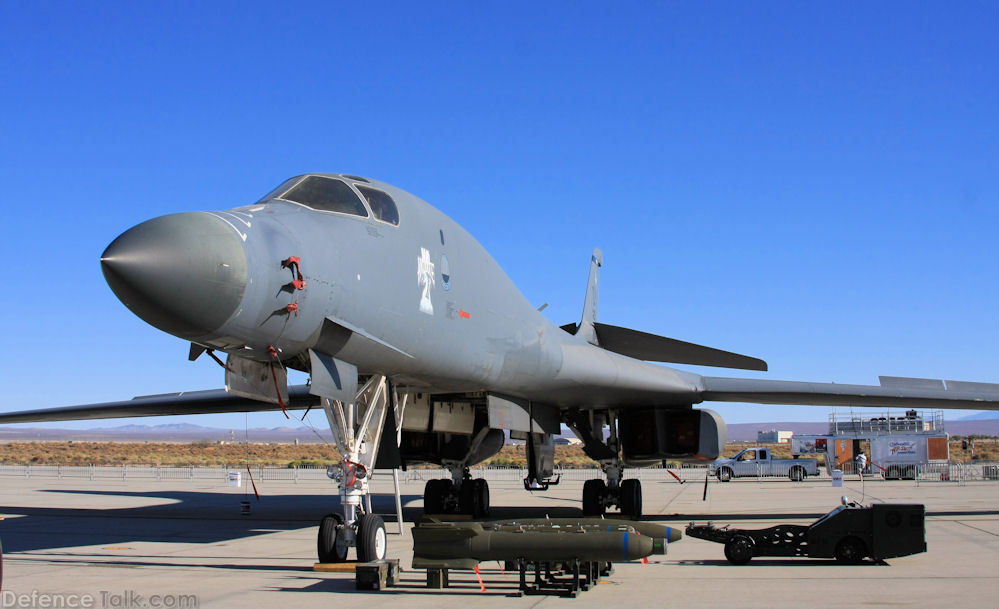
pixel 310 474
pixel 933 472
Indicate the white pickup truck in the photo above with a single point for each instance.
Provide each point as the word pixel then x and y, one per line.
pixel 757 462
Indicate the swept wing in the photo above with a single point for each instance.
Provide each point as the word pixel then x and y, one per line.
pixel 182 403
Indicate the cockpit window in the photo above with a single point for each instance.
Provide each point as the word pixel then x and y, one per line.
pixel 326 194
pixel 277 191
pixel 382 205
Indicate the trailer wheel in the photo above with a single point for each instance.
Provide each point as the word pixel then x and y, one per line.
pixel 850 550
pixel 797 473
pixel 724 474
pixel 739 550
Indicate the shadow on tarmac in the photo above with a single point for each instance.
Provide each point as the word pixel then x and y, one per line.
pixel 762 561
pixel 180 518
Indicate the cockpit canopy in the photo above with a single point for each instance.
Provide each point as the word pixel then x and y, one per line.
pixel 326 193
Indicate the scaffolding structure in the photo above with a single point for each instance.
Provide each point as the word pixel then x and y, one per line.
pixel 851 423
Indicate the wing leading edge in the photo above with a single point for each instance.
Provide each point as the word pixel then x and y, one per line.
pixel 190 402
pixel 892 393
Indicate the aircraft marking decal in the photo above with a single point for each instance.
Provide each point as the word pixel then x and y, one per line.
pixel 445 273
pixel 242 235
pixel 425 279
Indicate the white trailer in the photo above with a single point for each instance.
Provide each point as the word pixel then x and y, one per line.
pixel 900 456
pixel 895 455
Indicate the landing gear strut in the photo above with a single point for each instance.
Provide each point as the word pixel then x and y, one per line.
pixel 597 494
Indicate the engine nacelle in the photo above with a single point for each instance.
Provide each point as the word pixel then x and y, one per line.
pixel 649 435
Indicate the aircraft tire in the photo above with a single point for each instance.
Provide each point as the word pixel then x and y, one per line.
pixel 432 499
pixel 482 493
pixel 332 542
pixel 468 499
pixel 372 543
pixel 447 487
pixel 434 493
pixel 593 491
pixel 631 498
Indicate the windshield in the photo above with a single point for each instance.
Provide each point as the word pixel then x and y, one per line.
pixel 326 194
pixel 277 191
pixel 382 205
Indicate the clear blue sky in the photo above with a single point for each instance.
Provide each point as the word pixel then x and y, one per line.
pixel 814 185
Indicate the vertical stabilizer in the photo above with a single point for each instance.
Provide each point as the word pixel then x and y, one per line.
pixel 586 330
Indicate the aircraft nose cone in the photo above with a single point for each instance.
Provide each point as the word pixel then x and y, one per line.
pixel 183 273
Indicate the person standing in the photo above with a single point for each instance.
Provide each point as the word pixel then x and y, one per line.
pixel 861 463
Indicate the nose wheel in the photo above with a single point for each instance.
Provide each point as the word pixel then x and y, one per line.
pixel 336 537
pixel 371 540
pixel 332 543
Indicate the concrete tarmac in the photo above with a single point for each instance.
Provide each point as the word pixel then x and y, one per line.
pixel 177 543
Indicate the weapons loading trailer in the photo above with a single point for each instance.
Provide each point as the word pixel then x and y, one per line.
pixel 849 533
pixel 567 555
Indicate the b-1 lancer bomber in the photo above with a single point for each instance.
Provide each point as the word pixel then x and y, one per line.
pixel 420 349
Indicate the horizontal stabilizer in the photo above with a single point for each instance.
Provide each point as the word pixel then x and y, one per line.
pixel 653 348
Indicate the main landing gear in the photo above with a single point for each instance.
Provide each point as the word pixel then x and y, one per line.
pixel 459 495
pixel 599 495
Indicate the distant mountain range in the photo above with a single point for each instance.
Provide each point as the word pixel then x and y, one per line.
pixel 985 423
pixel 981 416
